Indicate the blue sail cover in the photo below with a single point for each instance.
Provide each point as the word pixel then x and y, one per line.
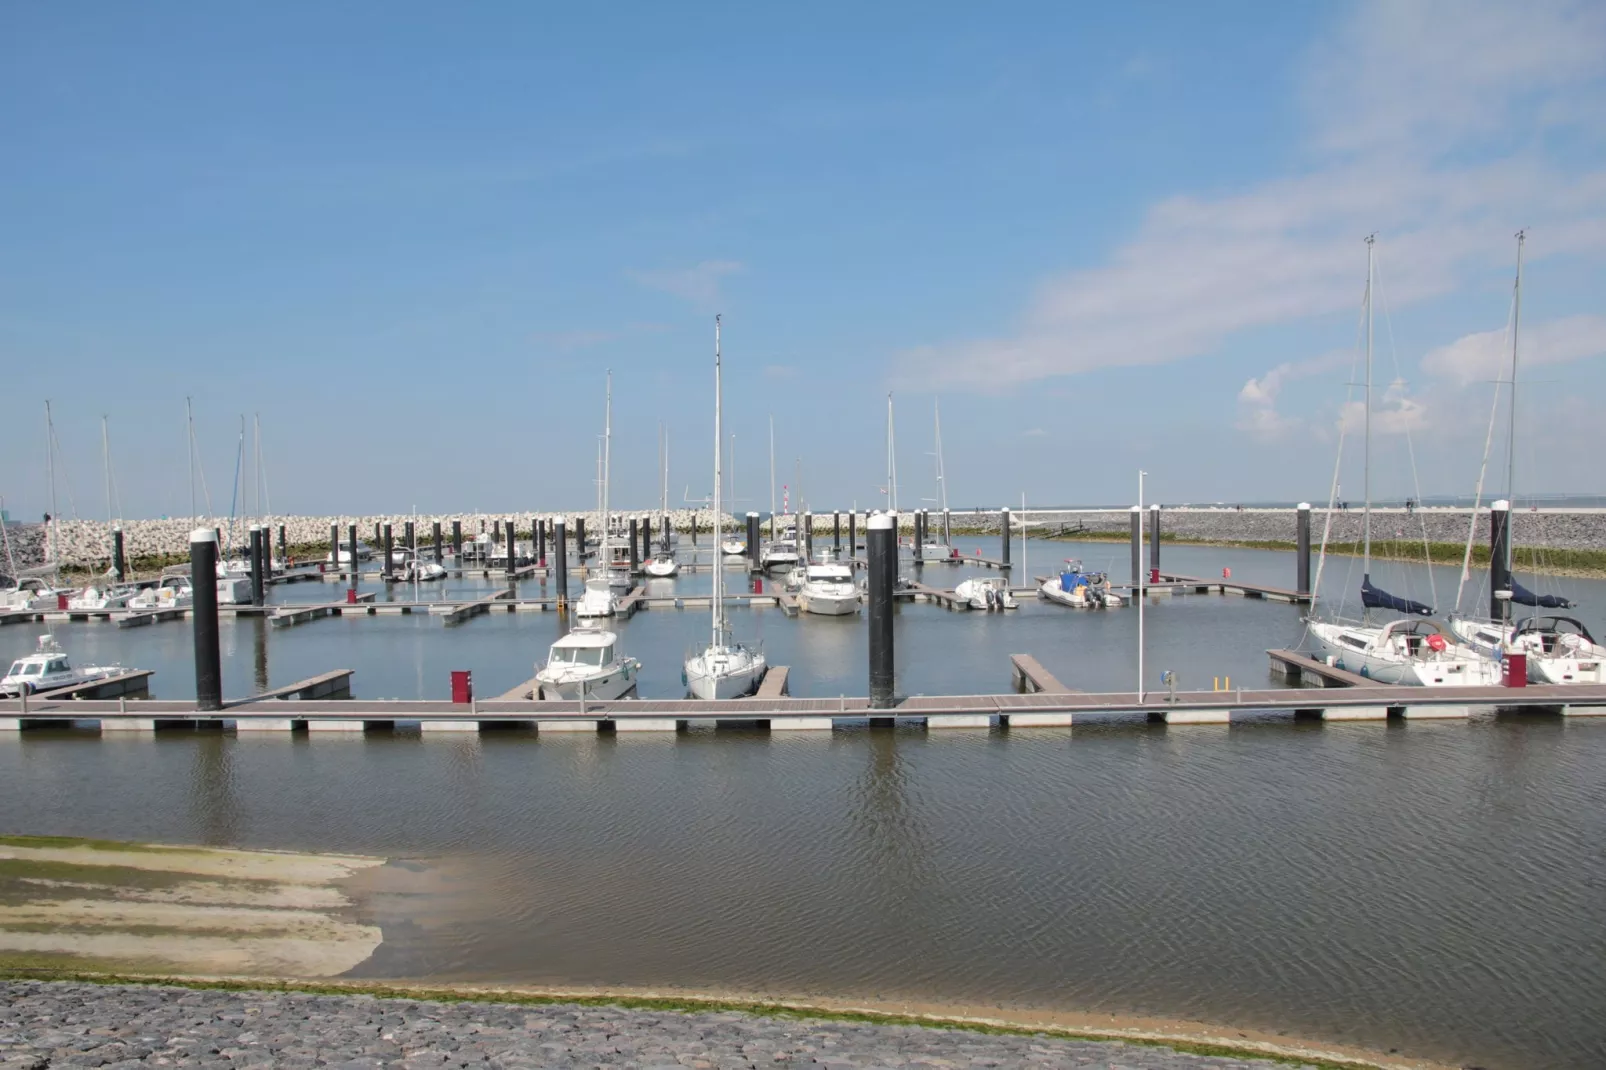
pixel 1524 597
pixel 1377 598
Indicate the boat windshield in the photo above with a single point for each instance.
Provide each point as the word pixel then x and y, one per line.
pixel 24 668
pixel 581 655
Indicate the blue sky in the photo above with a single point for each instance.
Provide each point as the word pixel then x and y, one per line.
pixel 412 239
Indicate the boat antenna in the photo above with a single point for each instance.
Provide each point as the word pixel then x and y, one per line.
pixel 892 464
pixel 607 460
pixel 772 477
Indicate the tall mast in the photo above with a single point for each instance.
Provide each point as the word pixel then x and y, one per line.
pixel 189 423
pixel 1511 431
pixel 772 476
pixel 106 462
pixel 719 477
pixel 942 484
pixel 607 461
pixel 1366 566
pixel 50 475
pixel 892 461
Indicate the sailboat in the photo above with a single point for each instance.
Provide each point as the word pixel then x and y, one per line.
pixel 1557 649
pixel 935 546
pixel 724 669
pixel 1409 651
pixel 598 598
pixel 663 564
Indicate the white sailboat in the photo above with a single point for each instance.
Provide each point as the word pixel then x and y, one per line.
pixel 935 547
pixel 586 664
pixel 1402 651
pixel 1557 649
pixel 598 599
pixel 172 592
pixel 663 564
pixel 724 669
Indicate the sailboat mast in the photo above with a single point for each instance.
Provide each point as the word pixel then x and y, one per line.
pixel 189 423
pixel 106 462
pixel 1366 565
pixel 892 461
pixel 607 462
pixel 719 477
pixel 942 471
pixel 772 477
pixel 50 476
pixel 1511 430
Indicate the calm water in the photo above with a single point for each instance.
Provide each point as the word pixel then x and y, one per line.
pixel 1438 888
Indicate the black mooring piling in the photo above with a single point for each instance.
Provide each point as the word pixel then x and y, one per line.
pixel 1154 543
pixel 1500 561
pixel 390 553
pixel 352 548
pixel 1003 524
pixel 436 532
pixel 203 613
pixel 119 568
pixel 836 532
pixel 1137 544
pixel 881 540
pixel 254 558
pixel 560 564
pixel 1302 551
pixel 853 534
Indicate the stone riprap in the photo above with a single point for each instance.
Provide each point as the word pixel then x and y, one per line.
pixel 69 1024
pixel 85 543
pixel 1560 530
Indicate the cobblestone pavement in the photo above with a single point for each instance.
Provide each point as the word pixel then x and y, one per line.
pixel 63 1024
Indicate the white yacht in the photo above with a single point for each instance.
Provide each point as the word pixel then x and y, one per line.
pixel 931 551
pixel 597 600
pixel 662 565
pixel 234 591
pixel 1405 652
pixel 723 669
pixel 984 593
pixel 47 668
pixel 585 664
pixel 31 594
pixel 780 555
pixel 828 589
pixel 1558 650
pixel 101 598
pixel 173 592
pixel 731 546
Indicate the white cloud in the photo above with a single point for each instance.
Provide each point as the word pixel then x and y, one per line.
pixel 1396 412
pixel 699 284
pixel 1401 107
pixel 1034 432
pixel 780 371
pixel 1257 400
pixel 1486 356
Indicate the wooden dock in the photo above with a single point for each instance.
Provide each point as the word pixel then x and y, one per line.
pixel 457 614
pixel 1029 677
pixel 330 685
pixel 285 616
pixel 1228 586
pixel 1294 666
pixel 775 684
pixel 135 683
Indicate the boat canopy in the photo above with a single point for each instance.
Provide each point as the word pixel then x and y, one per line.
pixel 1377 598
pixel 1524 597
pixel 1070 581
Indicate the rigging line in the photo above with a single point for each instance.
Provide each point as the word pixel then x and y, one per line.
pixel 1477 496
pixel 61 469
pixel 1410 449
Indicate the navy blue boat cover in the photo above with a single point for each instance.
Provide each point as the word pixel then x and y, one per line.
pixel 1377 598
pixel 1524 597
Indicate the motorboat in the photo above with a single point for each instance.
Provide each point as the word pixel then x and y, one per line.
pixel 725 668
pixel 342 555
pixel 1078 589
pixel 420 570
pixel 234 591
pixel 585 664
pixel 662 565
pixel 1404 652
pixel 30 594
pixel 47 668
pixel 101 598
pixel 597 600
pixel 1558 650
pixel 731 546
pixel 780 554
pixel 173 592
pixel 931 551
pixel 985 593
pixel 828 590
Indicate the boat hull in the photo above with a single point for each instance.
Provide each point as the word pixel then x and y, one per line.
pixel 828 605
pixel 618 683
pixel 728 677
pixel 1386 667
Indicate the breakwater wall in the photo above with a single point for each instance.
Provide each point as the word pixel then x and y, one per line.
pixel 86 543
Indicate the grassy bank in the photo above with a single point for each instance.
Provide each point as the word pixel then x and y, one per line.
pixel 1589 564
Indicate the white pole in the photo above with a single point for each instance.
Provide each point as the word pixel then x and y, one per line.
pixel 1142 579
pixel 1023 571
